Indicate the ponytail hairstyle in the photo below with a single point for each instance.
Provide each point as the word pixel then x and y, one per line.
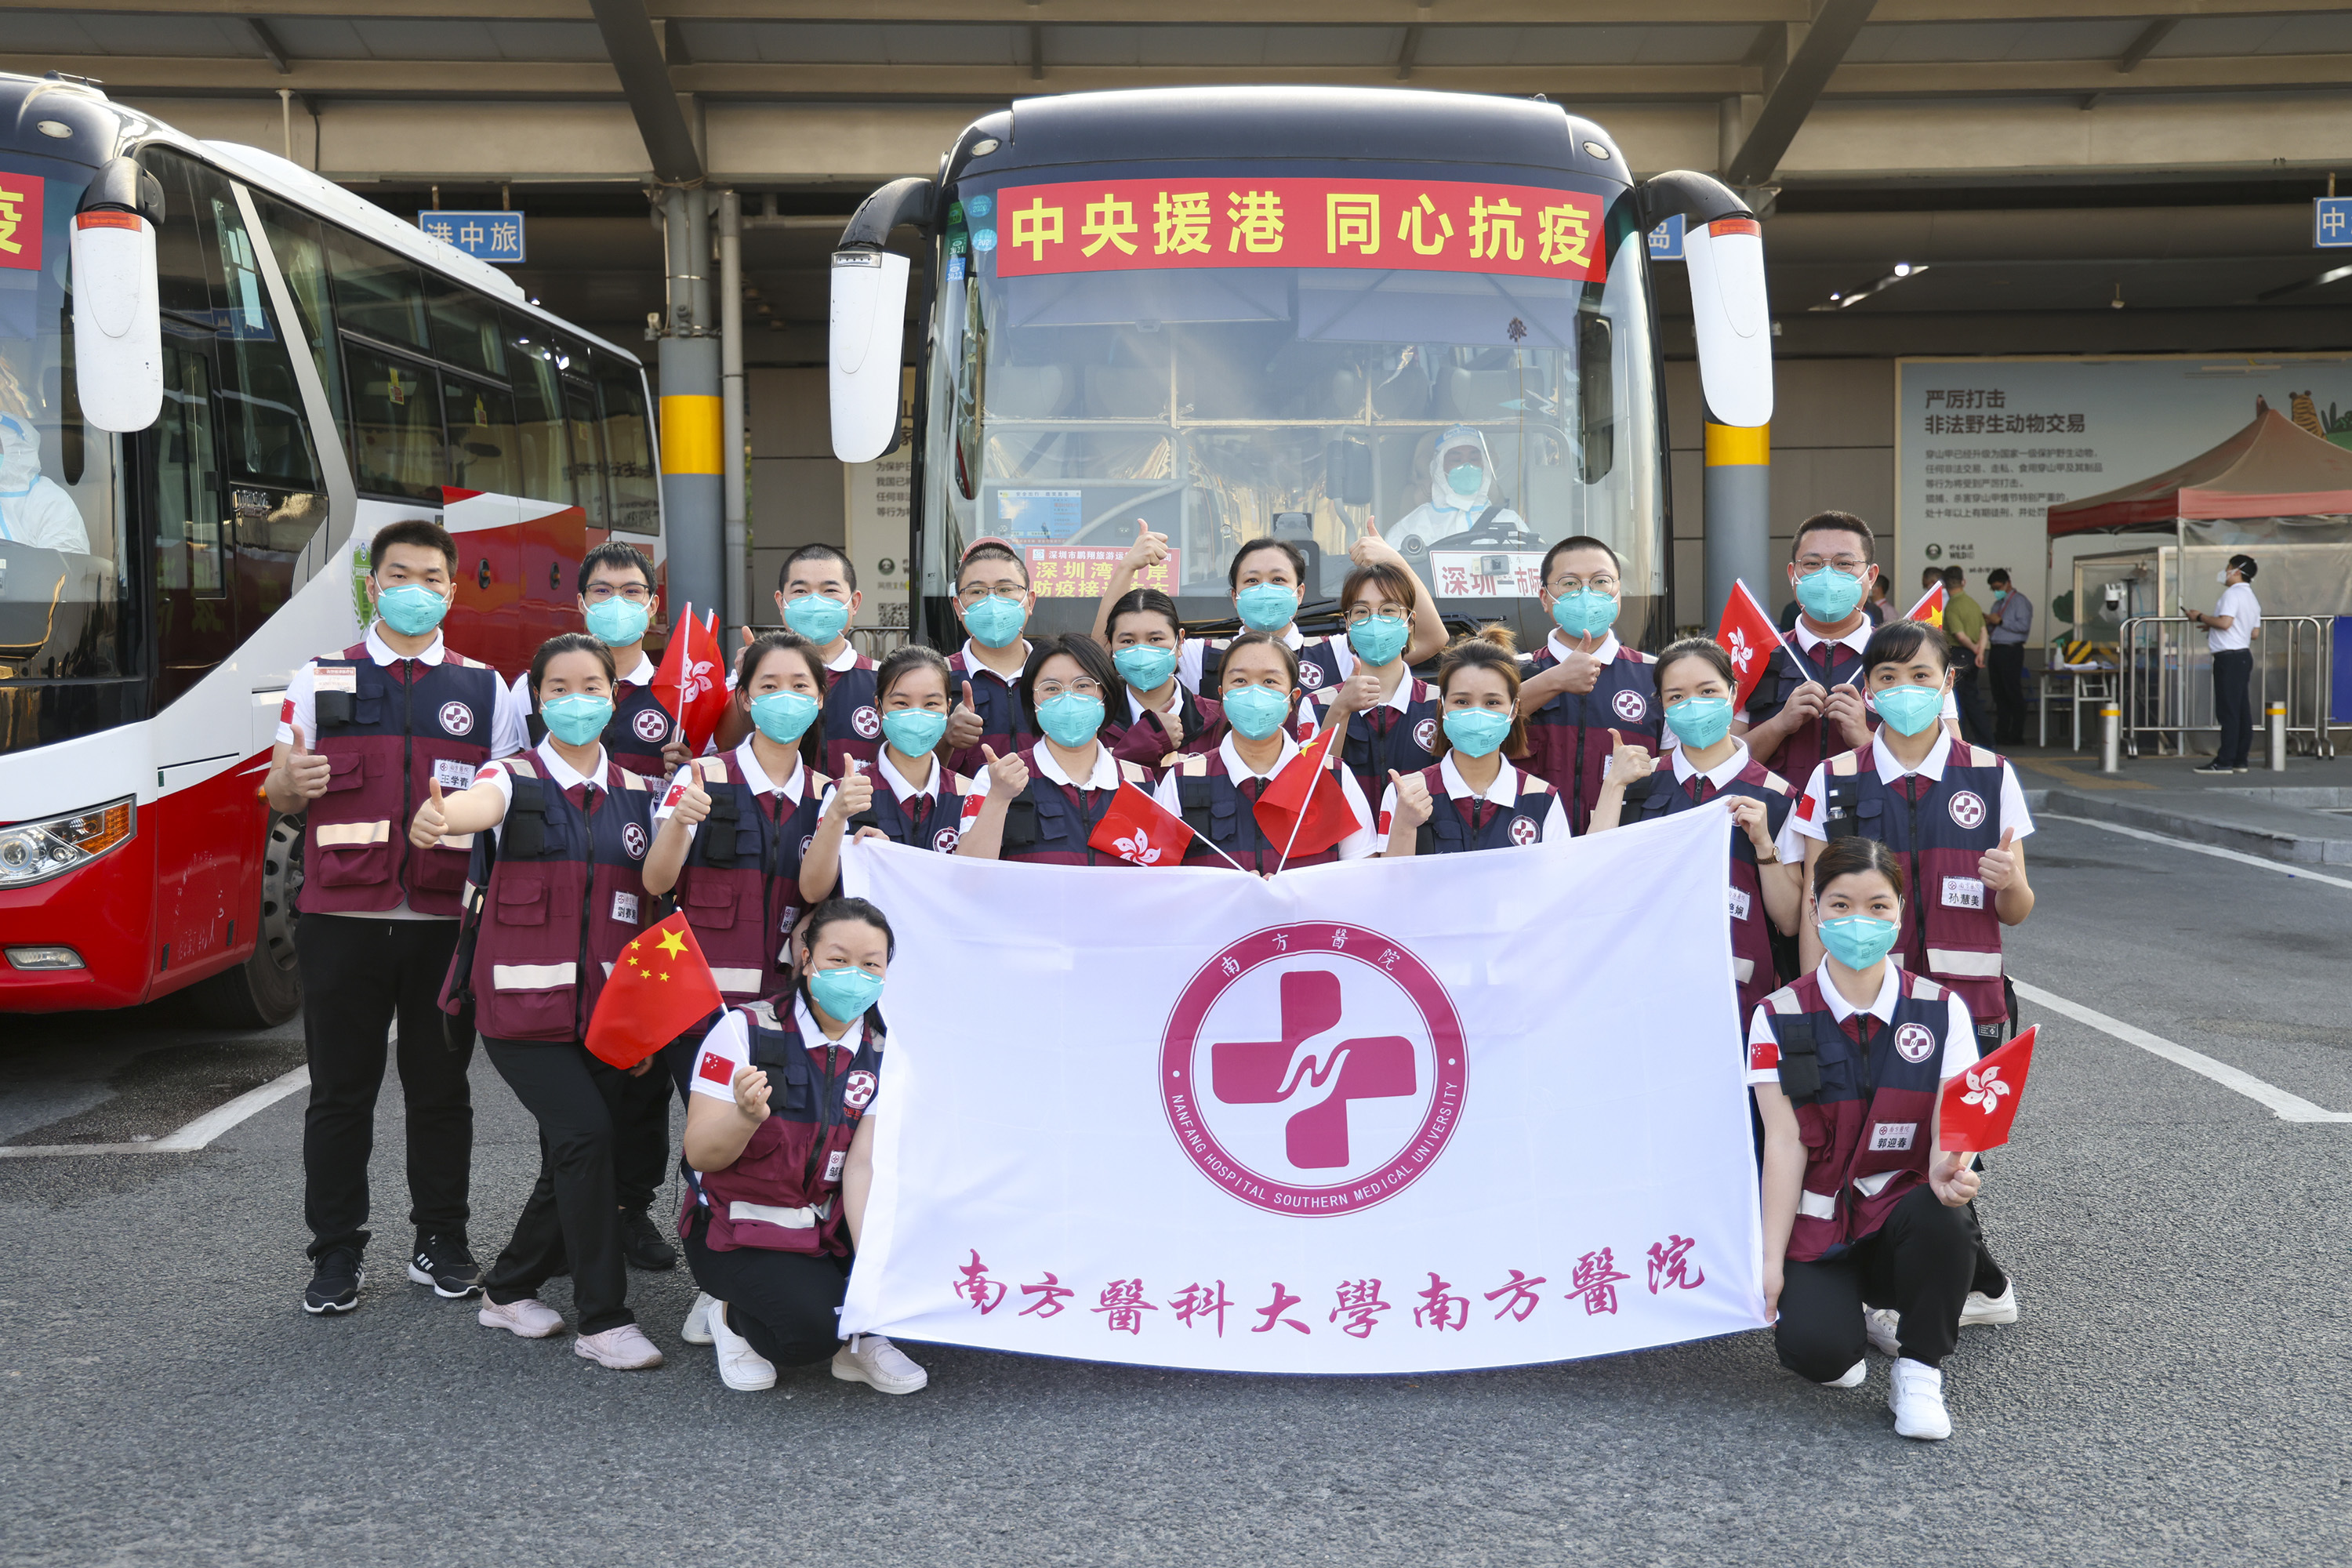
pixel 904 661
pixel 1288 655
pixel 1705 649
pixel 1489 648
pixel 830 912
pixel 567 642
pixel 1844 857
pixel 755 654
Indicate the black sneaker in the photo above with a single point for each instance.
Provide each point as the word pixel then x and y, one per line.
pixel 642 1245
pixel 2214 768
pixel 335 1284
pixel 446 1263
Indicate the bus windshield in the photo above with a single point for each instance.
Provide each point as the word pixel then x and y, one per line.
pixel 1466 367
pixel 63 579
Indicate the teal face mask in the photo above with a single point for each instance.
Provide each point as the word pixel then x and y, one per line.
pixel 913 730
pixel 844 994
pixel 1476 731
pixel 411 609
pixel 1582 613
pixel 1829 595
pixel 1377 640
pixel 784 716
pixel 1070 720
pixel 1909 709
pixel 1266 607
pixel 1858 940
pixel 577 719
pixel 816 617
pixel 994 621
pixel 1144 666
pixel 1255 711
pixel 1700 722
pixel 1463 478
pixel 618 623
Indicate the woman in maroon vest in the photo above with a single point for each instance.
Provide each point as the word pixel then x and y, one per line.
pixel 1153 717
pixel 909 795
pixel 780 1136
pixel 1487 804
pixel 1045 803
pixel 561 898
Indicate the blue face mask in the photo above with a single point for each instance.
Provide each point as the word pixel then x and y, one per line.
pixel 816 617
pixel 411 609
pixel 1829 595
pixel 1144 666
pixel 1476 731
pixel 1909 709
pixel 913 730
pixel 1858 940
pixel 1377 640
pixel 1700 722
pixel 1266 607
pixel 1070 720
pixel 618 623
pixel 784 716
pixel 1465 478
pixel 994 621
pixel 577 719
pixel 1255 711
pixel 844 994
pixel 1582 613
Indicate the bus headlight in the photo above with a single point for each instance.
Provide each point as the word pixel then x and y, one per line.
pixel 34 852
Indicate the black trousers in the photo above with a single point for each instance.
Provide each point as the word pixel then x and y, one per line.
pixel 788 1304
pixel 358 977
pixel 571 1216
pixel 1965 698
pixel 1919 1263
pixel 2008 661
pixel 2234 675
pixel 641 1149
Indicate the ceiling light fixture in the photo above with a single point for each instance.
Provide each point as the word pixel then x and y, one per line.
pixel 1903 271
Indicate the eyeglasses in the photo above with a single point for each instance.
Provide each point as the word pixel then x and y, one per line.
pixel 1083 687
pixel 1851 565
pixel 636 593
pixel 1010 592
pixel 1359 615
pixel 1600 583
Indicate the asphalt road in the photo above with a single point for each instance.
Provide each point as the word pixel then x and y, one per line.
pixel 2176 1392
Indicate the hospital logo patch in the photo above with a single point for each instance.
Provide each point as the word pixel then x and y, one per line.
pixel 1630 706
pixel 1523 830
pixel 946 839
pixel 867 722
pixel 457 719
pixel 652 724
pixel 857 1093
pixel 1424 735
pixel 1967 808
pixel 1310 676
pixel 1914 1042
pixel 633 839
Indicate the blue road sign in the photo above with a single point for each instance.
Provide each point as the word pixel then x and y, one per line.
pixel 2331 222
pixel 487 236
pixel 1666 240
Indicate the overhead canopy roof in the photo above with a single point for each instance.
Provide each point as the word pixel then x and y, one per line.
pixel 2272 467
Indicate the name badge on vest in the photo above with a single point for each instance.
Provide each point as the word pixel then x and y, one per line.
pixel 1963 893
pixel 341 678
pixel 625 908
pixel 451 774
pixel 832 1164
pixel 1739 903
pixel 1892 1137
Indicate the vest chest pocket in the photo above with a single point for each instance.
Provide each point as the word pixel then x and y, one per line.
pixel 519 901
pixel 350 854
pixel 346 770
pixel 710 903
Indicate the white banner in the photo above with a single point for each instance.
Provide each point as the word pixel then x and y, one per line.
pixel 1387 1116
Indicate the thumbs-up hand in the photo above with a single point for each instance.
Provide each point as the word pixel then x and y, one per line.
pixel 432 824
pixel 1148 550
pixel 963 724
pixel 306 770
pixel 1008 775
pixel 1628 763
pixel 852 795
pixel 1998 869
pixel 693 804
pixel 1413 806
pixel 1371 547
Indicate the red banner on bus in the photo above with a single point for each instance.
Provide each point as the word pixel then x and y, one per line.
pixel 20 221
pixel 1419 225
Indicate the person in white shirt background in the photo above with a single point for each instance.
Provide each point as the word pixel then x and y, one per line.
pixel 2230 631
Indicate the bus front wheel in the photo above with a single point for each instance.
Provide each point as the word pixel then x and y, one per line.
pixel 265 989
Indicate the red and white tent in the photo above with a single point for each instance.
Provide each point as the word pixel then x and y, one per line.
pixel 2271 469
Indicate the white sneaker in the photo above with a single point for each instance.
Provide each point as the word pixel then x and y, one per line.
pixel 1980 1309
pixel 696 1329
pixel 1853 1378
pixel 530 1318
pixel 741 1367
pixel 1917 1398
pixel 871 1359
pixel 1883 1325
pixel 625 1349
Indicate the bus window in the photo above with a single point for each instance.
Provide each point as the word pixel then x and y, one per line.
pixel 265 438
pixel 588 461
pixel 481 424
pixel 628 444
pixel 377 292
pixel 542 455
pixel 294 239
pixel 179 246
pixel 395 430
pixel 465 329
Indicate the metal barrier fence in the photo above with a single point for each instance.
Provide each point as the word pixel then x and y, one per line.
pixel 2165 677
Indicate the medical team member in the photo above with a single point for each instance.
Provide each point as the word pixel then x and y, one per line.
pixel 780 1136
pixel 362 735
pixel 1391 715
pixel 1860 1209
pixel 1044 804
pixel 1158 718
pixel 556 910
pixel 993 600
pixel 2230 637
pixel 818 599
pixel 1216 792
pixel 1808 705
pixel 919 802
pixel 1583 683
pixel 1489 804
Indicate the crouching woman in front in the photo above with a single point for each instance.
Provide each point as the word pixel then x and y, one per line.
pixel 779 1132
pixel 1860 1208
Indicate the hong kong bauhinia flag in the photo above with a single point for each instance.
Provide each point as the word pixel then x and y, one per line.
pixel 692 680
pixel 660 988
pixel 1141 831
pixel 1979 1104
pixel 1749 636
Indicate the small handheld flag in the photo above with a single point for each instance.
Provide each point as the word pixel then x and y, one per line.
pixel 1304 806
pixel 660 988
pixel 1930 608
pixel 692 680
pixel 1141 831
pixel 1748 635
pixel 1979 1105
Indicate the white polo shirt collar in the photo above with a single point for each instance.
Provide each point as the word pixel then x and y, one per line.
pixel 1238 770
pixel 1504 791
pixel 1722 777
pixel 1890 988
pixel 975 665
pixel 561 773
pixel 848 659
pixel 1856 639
pixel 748 768
pixel 382 651
pixel 1104 776
pixel 1890 767
pixel 644 673
pixel 904 791
pixel 1605 654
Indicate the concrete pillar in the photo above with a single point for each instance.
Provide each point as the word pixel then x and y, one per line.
pixel 691 457
pixel 737 544
pixel 1738 501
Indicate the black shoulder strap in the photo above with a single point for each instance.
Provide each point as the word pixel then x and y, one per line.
pixel 1020 825
pixel 1800 1060
pixel 1844 792
pixel 525 829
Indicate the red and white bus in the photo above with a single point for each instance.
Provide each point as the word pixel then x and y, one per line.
pixel 325 369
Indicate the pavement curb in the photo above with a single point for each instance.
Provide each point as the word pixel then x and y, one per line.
pixel 2168 816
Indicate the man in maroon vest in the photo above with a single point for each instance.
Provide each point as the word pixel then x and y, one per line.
pixel 1809 706
pixel 362 736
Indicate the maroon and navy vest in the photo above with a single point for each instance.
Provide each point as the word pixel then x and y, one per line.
pixel 1049 824
pixel 1319 662
pixel 561 895
pixel 1568 737
pixel 634 738
pixel 381 740
pixel 1807 745
pixel 1004 728
pixel 1458 826
pixel 1220 810
pixel 1144 742
pixel 1951 929
pixel 1858 1111
pixel 782 1194
pixel 853 725
pixel 1662 795
pixel 740 885
pixel 933 822
pixel 1384 738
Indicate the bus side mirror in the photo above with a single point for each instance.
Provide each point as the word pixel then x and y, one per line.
pixel 1726 261
pixel 118 334
pixel 869 312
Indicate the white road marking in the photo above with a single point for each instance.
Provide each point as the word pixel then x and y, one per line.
pixel 2289 1107
pixel 195 1135
pixel 2285 867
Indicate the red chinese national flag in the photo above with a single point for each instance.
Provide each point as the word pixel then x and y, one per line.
pixel 692 681
pixel 1749 636
pixel 1930 608
pixel 1979 1104
pixel 1304 806
pixel 1141 831
pixel 659 989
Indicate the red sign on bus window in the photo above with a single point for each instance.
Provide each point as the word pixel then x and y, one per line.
pixel 1418 225
pixel 20 221
pixel 1082 571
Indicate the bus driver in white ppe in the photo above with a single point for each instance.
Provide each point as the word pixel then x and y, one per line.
pixel 1461 488
pixel 34 509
